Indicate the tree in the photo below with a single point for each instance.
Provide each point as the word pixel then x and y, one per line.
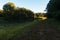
pixel 52 7
pixel 8 9
pixel 13 13
pixel 9 6
pixel 23 14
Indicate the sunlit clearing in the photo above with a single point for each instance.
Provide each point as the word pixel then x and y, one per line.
pixel 43 18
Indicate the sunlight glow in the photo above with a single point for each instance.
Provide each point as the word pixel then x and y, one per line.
pixel 43 18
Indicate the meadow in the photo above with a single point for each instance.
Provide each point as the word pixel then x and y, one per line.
pixel 34 30
pixel 11 30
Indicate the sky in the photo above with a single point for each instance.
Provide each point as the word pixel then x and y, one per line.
pixel 34 5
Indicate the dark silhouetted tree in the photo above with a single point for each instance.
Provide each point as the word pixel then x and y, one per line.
pixel 13 13
pixel 8 9
pixel 24 14
pixel 52 7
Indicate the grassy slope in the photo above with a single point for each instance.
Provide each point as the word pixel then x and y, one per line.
pixel 9 31
pixel 36 30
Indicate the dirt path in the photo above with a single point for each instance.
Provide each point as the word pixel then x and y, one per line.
pixel 42 31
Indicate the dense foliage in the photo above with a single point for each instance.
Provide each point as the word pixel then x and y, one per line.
pixel 52 8
pixel 12 13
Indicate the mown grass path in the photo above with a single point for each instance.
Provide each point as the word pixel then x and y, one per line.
pixel 36 30
pixel 43 30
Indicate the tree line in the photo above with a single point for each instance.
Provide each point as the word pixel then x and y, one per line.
pixel 12 13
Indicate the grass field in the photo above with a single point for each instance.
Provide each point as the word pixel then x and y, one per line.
pixel 10 30
pixel 36 30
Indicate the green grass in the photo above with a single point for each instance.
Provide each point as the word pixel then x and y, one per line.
pixel 12 30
